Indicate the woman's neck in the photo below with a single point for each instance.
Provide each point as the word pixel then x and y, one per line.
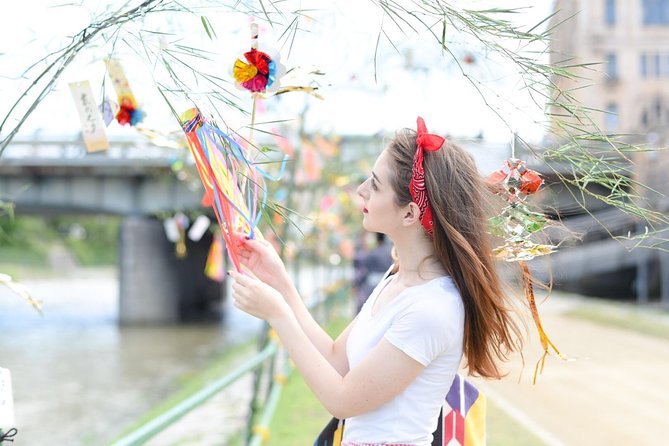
pixel 417 258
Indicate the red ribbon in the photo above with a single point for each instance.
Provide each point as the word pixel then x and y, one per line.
pixel 431 143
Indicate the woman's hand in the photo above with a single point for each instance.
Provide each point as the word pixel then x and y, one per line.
pixel 258 299
pixel 260 257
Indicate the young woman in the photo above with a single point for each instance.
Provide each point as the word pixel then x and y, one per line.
pixel 388 372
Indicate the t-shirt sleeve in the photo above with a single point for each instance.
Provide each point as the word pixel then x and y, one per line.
pixel 422 331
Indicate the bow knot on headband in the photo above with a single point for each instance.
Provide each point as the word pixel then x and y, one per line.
pixel 431 143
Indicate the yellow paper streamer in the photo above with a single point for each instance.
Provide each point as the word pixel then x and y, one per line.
pixel 120 82
pixel 545 342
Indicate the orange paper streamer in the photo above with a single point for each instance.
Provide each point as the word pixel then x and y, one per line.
pixel 543 338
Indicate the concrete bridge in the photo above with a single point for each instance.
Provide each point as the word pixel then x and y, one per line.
pixel 602 258
pixel 135 180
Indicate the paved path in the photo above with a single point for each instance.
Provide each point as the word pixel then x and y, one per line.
pixel 615 391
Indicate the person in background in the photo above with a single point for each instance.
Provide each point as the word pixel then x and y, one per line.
pixel 369 267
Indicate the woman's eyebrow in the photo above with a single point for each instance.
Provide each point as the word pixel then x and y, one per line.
pixel 376 178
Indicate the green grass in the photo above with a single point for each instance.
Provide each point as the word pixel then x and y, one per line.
pixel 23 255
pixel 624 317
pixel 502 430
pixel 25 240
pixel 93 254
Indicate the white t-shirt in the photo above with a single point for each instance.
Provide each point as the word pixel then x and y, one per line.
pixel 427 323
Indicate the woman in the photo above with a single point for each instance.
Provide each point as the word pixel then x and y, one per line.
pixel 389 370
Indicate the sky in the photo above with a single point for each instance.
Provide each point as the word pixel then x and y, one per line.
pixel 338 38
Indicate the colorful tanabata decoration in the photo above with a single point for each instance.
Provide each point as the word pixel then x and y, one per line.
pixel 234 184
pixel 129 112
pixel 463 416
pixel 257 71
pixel 214 268
pixel 516 224
pixel 175 231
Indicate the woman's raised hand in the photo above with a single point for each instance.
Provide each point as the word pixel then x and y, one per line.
pixel 260 257
pixel 257 298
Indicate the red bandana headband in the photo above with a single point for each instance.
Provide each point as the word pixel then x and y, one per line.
pixel 424 141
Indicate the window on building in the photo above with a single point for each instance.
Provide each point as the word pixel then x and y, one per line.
pixel 643 65
pixel 611 66
pixel 656 65
pixel 656 12
pixel 610 12
pixel 665 66
pixel 611 119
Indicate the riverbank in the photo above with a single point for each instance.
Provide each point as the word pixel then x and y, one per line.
pixel 79 378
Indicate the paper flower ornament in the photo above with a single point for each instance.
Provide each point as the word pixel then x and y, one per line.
pixel 129 113
pixel 257 70
pixel 516 178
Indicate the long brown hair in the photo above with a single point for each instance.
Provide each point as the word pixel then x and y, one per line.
pixel 457 195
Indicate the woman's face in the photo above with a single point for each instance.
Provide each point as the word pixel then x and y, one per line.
pixel 380 212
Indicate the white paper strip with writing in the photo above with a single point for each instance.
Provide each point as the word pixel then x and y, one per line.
pixel 93 129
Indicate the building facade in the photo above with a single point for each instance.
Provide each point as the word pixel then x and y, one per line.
pixel 618 51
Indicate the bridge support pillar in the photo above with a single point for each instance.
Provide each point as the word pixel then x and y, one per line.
pixel 156 287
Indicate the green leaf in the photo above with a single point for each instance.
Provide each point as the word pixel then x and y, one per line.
pixel 207 27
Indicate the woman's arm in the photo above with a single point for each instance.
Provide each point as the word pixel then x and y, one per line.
pixel 381 376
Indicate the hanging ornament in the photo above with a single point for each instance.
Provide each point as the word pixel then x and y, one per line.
pixel 129 112
pixel 516 224
pixel 214 268
pixel 108 109
pixel 234 184
pixel 257 71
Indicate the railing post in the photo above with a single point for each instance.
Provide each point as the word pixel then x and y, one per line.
pixel 261 429
pixel 257 377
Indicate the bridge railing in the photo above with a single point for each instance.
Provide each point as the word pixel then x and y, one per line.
pixel 75 149
pixel 271 355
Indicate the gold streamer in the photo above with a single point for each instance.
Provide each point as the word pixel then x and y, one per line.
pixel 545 342
pixel 262 431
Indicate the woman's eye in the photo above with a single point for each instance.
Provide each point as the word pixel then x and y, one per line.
pixel 374 185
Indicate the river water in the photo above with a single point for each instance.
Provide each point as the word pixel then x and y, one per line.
pixel 78 377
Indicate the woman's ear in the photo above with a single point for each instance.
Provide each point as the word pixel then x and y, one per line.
pixel 411 214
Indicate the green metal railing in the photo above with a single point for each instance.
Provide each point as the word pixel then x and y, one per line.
pixel 145 432
pixel 257 432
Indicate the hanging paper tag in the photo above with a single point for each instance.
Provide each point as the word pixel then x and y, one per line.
pixel 7 421
pixel 196 231
pixel 171 229
pixel 120 82
pixel 93 129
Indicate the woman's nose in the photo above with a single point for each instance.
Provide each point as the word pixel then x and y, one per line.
pixel 360 189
